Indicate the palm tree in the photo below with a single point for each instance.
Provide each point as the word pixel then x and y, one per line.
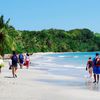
pixel 5 40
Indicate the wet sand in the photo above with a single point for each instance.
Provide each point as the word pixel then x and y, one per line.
pixel 39 84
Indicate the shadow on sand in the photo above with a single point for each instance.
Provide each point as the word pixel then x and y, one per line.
pixel 73 83
pixel 8 77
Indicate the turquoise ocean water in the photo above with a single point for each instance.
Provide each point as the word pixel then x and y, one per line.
pixel 71 64
pixel 67 63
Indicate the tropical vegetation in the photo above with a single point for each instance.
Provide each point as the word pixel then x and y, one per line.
pixel 47 40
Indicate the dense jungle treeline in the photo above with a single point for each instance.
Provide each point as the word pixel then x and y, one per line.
pixel 50 40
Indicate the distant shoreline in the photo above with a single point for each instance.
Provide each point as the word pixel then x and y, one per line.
pixel 7 56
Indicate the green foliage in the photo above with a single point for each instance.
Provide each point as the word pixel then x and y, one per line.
pixel 51 40
pixel 6 42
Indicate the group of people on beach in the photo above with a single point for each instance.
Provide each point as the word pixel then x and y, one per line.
pixel 93 66
pixel 22 59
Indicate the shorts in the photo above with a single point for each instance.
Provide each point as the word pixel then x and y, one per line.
pixel 14 65
pixel 21 61
pixel 96 69
pixel 27 63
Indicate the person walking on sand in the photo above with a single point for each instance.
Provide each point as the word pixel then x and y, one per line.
pixel 21 60
pixel 89 66
pixel 14 59
pixel 96 68
pixel 1 63
pixel 27 61
pixel 10 64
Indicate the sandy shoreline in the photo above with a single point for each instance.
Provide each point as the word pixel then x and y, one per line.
pixel 32 84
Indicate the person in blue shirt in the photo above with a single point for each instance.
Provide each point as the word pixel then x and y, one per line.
pixel 21 60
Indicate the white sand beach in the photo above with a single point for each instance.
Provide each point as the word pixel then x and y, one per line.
pixel 33 84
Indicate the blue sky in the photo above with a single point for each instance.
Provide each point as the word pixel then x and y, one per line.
pixel 45 14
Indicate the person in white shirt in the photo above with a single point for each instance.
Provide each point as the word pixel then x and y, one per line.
pixel 27 61
pixel 1 63
pixel 10 63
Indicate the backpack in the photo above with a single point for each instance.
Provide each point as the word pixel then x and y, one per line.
pixel 21 57
pixel 98 62
pixel 94 61
pixel 14 59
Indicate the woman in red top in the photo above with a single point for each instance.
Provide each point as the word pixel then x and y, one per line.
pixel 89 66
